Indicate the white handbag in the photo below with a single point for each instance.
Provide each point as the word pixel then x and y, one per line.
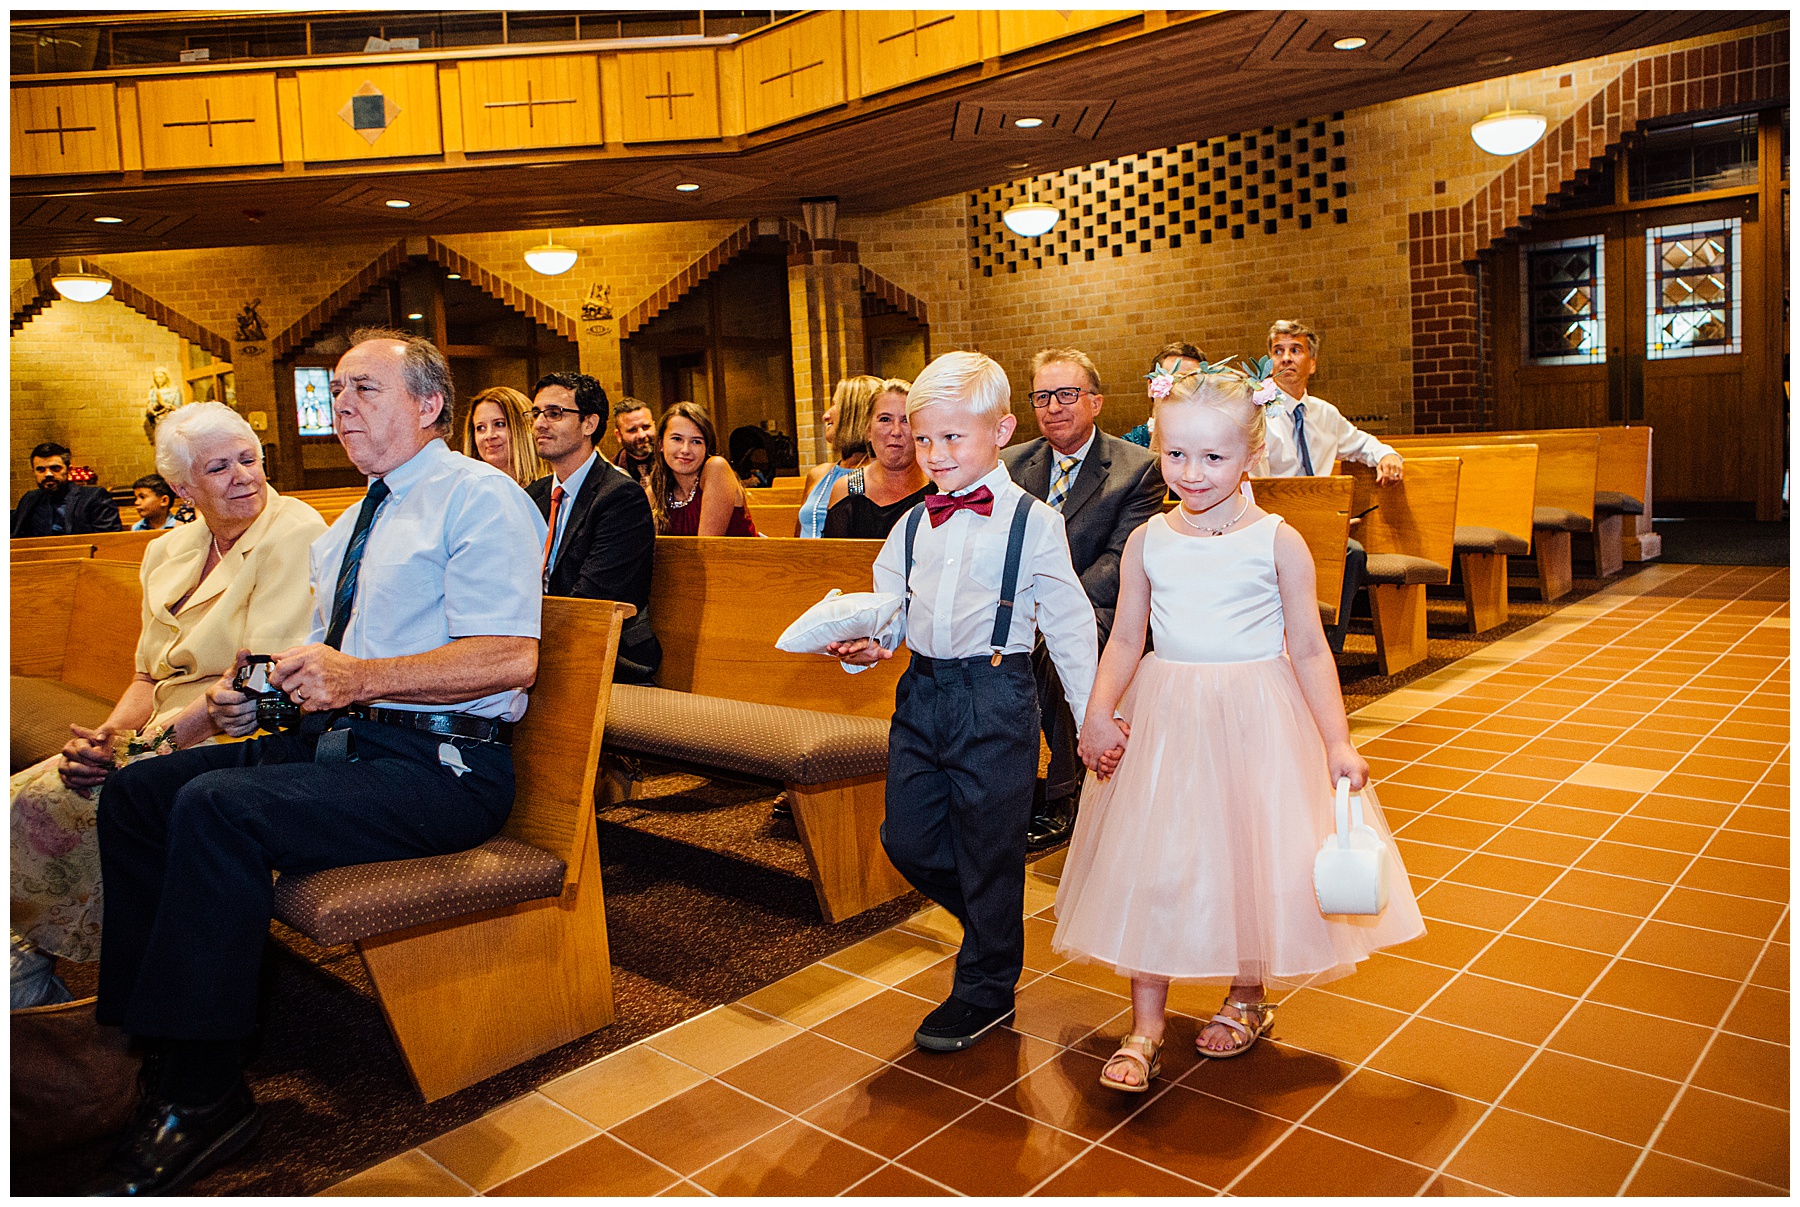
pixel 1350 873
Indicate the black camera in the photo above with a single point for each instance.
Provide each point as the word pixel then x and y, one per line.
pixel 274 711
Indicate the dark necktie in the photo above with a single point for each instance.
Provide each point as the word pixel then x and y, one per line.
pixel 942 507
pixel 353 552
pixel 1300 439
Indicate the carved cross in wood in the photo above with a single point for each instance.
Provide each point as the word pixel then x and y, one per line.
pixel 915 29
pixel 529 104
pixel 212 121
pixel 670 96
pixel 793 71
pixel 59 130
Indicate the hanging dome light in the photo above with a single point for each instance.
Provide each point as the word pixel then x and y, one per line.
pixel 1508 131
pixel 82 285
pixel 552 258
pixel 1031 217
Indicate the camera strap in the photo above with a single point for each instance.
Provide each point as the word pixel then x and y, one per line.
pixel 335 746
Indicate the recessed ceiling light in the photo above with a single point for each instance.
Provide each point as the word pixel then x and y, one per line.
pixel 415 316
pixel 687 188
pixel 1023 163
pixel 108 219
pixel 394 203
pixel 1028 123
pixel 453 276
pixel 1350 43
pixel 1494 59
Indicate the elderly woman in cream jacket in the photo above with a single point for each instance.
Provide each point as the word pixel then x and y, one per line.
pixel 237 580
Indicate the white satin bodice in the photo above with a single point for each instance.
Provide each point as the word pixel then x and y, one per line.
pixel 1214 598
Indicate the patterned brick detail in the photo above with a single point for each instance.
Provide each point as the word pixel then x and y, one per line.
pixel 340 299
pixel 677 287
pixel 874 285
pixel 501 289
pixel 1444 242
pixel 35 296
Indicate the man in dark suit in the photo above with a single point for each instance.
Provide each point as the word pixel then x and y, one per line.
pixel 1105 487
pixel 602 539
pixel 57 507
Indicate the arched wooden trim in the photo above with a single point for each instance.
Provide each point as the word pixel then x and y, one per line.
pixel 878 286
pixel 338 301
pixel 35 296
pixel 501 289
pixel 679 285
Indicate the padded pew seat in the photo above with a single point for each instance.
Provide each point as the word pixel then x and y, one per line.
pixel 769 741
pixel 343 905
pixel 1404 570
pixel 1614 502
pixel 42 710
pixel 1559 519
pixel 1472 538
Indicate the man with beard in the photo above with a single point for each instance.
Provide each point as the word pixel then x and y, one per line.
pixel 57 507
pixel 635 427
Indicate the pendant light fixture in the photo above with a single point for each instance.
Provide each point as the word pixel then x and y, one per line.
pixel 551 259
pixel 1508 131
pixel 82 285
pixel 1031 218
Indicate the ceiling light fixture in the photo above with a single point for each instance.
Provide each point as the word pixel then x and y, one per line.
pixel 687 188
pixel 82 285
pixel 108 219
pixel 1031 218
pixel 1351 43
pixel 1028 123
pixel 1508 131
pixel 551 259
pixel 394 203
pixel 415 316
pixel 453 276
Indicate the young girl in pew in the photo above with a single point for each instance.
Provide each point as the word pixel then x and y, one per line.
pixel 1193 862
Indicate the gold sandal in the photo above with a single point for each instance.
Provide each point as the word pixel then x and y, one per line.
pixel 1262 1016
pixel 1149 1061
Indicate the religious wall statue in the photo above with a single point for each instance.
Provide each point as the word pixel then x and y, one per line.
pixel 598 303
pixel 164 397
pixel 250 323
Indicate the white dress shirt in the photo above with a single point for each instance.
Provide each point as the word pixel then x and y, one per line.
pixel 453 552
pixel 957 568
pixel 1328 436
pixel 570 488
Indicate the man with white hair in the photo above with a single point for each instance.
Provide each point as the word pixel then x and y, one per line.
pixel 426 615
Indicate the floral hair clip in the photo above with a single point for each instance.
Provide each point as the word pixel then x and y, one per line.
pixel 1162 380
pixel 1267 394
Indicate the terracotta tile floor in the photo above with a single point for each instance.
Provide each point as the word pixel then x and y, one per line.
pixel 1594 816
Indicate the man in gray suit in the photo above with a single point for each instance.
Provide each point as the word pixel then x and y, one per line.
pixel 1105 487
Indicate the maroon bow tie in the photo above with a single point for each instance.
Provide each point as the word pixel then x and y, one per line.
pixel 942 507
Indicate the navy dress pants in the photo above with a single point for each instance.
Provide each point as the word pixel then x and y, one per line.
pixel 188 842
pixel 962 762
pixel 1356 560
pixel 1064 775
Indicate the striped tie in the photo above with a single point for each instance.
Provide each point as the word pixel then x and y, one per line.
pixel 353 552
pixel 1059 489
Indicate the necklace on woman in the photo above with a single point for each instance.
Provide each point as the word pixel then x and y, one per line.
pixel 1207 529
pixel 676 504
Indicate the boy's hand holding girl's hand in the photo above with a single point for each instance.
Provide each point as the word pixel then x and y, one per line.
pixel 1345 761
pixel 864 651
pixel 1102 744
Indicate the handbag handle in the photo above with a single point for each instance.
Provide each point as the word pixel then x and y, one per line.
pixel 1349 811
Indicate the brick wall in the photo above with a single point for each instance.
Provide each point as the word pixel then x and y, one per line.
pixel 80 376
pixel 924 250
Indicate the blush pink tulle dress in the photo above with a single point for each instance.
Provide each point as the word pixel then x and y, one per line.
pixel 1194 861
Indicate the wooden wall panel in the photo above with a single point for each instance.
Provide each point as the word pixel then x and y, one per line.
pixel 1022 27
pixel 65 128
pixel 197 121
pixel 413 125
pixel 793 70
pixel 898 46
pixel 514 104
pixel 669 95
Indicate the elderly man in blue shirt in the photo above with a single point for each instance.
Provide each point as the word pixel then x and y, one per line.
pixel 425 632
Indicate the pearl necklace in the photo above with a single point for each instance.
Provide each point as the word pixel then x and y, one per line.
pixel 1207 530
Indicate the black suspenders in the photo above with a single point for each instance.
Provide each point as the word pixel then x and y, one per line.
pixel 1009 578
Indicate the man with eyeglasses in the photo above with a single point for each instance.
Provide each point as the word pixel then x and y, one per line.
pixel 1104 487
pixel 602 540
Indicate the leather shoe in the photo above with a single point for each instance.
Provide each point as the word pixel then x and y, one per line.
pixel 170 1145
pixel 1050 824
pixel 956 1025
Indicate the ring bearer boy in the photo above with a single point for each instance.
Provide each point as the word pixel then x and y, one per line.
pixel 985 567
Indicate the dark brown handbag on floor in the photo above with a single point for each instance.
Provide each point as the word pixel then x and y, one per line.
pixel 72 1079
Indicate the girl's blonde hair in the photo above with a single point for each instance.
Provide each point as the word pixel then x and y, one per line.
pixel 526 467
pixel 1229 390
pixel 852 398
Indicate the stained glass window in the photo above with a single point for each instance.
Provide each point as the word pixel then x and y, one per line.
pixel 312 398
pixel 1695 287
pixel 1565 301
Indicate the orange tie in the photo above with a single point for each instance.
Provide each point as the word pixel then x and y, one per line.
pixel 556 498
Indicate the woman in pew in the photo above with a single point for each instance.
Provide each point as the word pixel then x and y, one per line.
pixel 867 503
pixel 496 431
pixel 846 421
pixel 693 491
pixel 237 580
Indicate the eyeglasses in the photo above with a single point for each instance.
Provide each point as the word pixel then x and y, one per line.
pixel 553 414
pixel 1067 395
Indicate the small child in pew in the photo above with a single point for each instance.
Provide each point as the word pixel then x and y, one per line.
pixel 988 573
pixel 1193 862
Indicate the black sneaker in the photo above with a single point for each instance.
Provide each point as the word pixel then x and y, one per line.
pixel 956 1025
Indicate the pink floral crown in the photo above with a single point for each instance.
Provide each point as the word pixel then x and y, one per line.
pixel 1162 379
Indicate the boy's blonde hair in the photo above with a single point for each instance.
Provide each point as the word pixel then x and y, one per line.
pixel 1229 390
pixel 966 376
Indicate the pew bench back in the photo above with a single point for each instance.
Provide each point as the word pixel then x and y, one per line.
pixel 1318 509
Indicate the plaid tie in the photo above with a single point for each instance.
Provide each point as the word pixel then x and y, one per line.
pixel 1306 465
pixel 1059 489
pixel 346 583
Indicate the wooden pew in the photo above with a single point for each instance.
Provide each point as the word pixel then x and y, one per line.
pixel 775 519
pixel 1411 538
pixel 1493 519
pixel 108 546
pixel 51 553
pixel 74 645
pixel 1622 496
pixel 740 705
pixel 1563 504
pixel 1319 510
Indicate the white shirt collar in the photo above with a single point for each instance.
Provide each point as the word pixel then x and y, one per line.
pixel 1288 402
pixel 415 467
pixel 572 484
pixel 1079 454
pixel 994 480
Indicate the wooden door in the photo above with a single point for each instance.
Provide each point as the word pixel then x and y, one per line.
pixel 1560 313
